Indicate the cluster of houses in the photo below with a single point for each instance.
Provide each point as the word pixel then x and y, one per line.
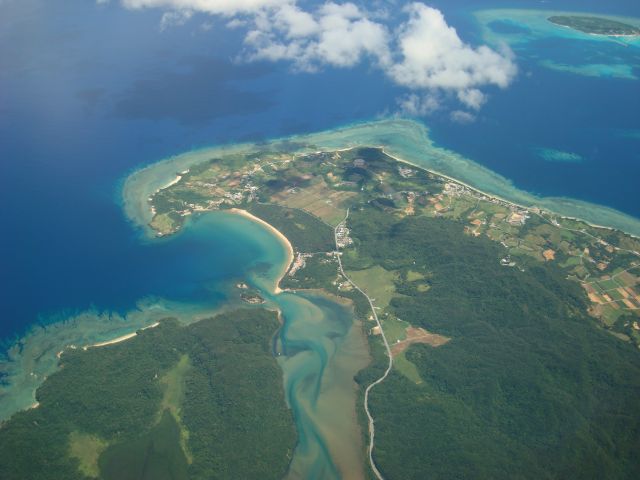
pixel 342 236
pixel 405 172
pixel 518 215
pixel 299 263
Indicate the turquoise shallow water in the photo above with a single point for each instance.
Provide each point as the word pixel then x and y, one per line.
pixel 200 264
pixel 320 350
pixel 80 113
pixel 405 139
pixel 319 347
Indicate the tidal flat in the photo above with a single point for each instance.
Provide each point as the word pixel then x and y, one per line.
pixel 321 349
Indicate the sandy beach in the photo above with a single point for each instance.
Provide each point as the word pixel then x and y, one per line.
pixel 119 339
pixel 172 182
pixel 285 241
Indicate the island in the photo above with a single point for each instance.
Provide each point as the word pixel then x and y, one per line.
pixel 503 338
pixel 595 25
pixel 482 315
pixel 306 196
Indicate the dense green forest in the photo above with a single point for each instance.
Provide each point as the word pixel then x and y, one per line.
pixel 528 387
pixel 305 232
pixel 204 401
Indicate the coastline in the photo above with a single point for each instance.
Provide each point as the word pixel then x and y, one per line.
pixel 279 235
pixel 501 199
pixel 28 361
pixel 119 339
pixel 405 140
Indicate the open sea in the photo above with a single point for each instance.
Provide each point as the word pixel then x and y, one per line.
pixel 90 93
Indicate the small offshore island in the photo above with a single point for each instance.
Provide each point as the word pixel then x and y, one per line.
pixel 596 25
pixel 463 335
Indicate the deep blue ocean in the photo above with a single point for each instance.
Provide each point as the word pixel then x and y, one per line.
pixel 88 93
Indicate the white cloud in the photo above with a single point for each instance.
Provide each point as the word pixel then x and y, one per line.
pixel 175 18
pixel 423 54
pixel 460 116
pixel 472 98
pixel 296 23
pixel 215 7
pixel 236 23
pixel 433 56
pixel 339 35
pixel 415 105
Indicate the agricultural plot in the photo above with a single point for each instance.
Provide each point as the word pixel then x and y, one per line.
pixel 317 199
pixel 325 184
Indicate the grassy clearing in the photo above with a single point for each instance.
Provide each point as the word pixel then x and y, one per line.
pixel 462 206
pixel 627 278
pixel 174 384
pixel 406 368
pixel 610 314
pixel 376 282
pixel 608 284
pixel 615 294
pixel 318 199
pixel 412 276
pixel 87 449
pixel 571 262
pixel 163 223
pixel 394 329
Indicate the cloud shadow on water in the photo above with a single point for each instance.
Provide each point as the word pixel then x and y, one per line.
pixel 200 90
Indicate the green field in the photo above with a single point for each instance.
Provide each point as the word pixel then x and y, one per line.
pixel 376 282
pixel 87 450
pixel 406 368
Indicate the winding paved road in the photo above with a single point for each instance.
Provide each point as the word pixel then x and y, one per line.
pixel 372 428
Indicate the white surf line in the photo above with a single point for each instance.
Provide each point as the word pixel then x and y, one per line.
pixel 372 430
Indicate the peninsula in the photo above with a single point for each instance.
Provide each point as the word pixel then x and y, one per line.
pixel 306 195
pixel 441 274
pixel 486 338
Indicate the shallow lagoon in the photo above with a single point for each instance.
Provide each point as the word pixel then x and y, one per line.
pixel 320 347
pixel 555 47
pixel 191 282
pixel 322 350
pixel 193 273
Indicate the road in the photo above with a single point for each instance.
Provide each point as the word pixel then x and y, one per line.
pixel 372 428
